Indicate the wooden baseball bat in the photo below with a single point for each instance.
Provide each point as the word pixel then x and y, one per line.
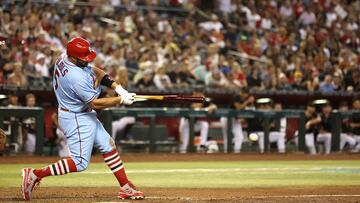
pixel 174 98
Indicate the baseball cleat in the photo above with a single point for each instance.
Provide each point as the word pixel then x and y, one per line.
pixel 30 181
pixel 129 191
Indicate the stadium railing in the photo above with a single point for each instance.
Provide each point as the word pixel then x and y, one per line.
pixel 153 113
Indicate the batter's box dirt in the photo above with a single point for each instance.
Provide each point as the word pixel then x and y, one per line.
pixel 296 194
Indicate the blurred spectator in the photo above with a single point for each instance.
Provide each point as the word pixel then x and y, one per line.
pixel 13 100
pixel 308 16
pixel 122 77
pixel 338 83
pixel 254 80
pixel 179 77
pixel 29 127
pixel 299 83
pixel 161 79
pixel 146 81
pixel 40 66
pixel 294 36
pixel 216 79
pixel 17 78
pixel 327 87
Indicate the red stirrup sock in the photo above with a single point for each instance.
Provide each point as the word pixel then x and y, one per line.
pixel 61 167
pixel 114 162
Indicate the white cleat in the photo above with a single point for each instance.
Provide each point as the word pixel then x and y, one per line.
pixel 30 180
pixel 129 191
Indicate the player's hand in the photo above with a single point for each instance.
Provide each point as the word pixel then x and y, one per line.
pixel 120 90
pixel 127 98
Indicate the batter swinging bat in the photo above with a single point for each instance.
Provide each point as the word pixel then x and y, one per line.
pixel 174 98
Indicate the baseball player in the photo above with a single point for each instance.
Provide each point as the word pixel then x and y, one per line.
pixel 241 101
pixel 77 86
pixel 355 125
pixel 312 125
pixel 276 134
pixel 200 125
pixel 345 135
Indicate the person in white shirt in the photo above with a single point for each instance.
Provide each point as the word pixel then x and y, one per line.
pixel 41 66
pixel 214 24
pixel 161 79
pixel 307 17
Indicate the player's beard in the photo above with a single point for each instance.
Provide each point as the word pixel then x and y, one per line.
pixel 81 64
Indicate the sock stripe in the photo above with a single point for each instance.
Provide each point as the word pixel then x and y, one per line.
pixel 113 160
pixel 62 162
pixel 115 166
pixel 61 167
pixel 111 157
pixel 54 169
pixel 66 166
pixel 57 169
pixel 118 168
pixel 51 170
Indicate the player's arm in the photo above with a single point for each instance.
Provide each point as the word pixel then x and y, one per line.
pixel 314 121
pixel 106 102
pixel 100 76
pixel 243 105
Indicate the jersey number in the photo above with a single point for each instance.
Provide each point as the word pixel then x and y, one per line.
pixel 60 66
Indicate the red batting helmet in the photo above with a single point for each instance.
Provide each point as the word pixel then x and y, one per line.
pixel 80 48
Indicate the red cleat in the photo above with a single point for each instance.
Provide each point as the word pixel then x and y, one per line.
pixel 30 180
pixel 129 191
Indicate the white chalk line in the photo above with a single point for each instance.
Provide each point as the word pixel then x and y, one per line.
pixel 243 170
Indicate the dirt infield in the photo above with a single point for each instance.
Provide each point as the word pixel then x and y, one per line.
pixel 188 157
pixel 308 194
pixel 293 194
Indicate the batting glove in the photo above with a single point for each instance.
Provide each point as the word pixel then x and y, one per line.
pixel 120 90
pixel 127 98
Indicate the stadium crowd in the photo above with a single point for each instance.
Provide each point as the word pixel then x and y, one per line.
pixel 297 44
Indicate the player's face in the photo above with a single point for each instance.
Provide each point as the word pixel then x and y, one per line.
pixel 311 109
pixel 327 109
pixel 356 105
pixel 30 102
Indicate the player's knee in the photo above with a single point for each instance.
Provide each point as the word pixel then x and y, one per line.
pixel 81 163
pixel 107 147
pixel 205 125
